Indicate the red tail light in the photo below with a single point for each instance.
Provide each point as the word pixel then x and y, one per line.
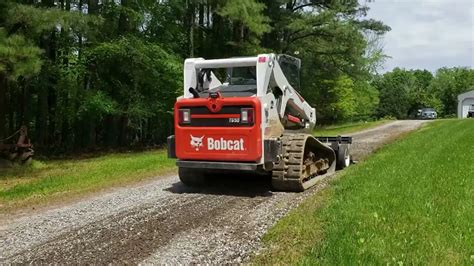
pixel 246 115
pixel 184 116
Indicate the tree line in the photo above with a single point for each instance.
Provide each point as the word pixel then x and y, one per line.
pixel 403 92
pixel 98 74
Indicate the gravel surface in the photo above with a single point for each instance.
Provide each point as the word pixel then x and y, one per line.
pixel 163 221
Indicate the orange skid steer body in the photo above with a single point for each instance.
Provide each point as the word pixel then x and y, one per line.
pixel 246 114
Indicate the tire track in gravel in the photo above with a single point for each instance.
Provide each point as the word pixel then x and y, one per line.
pixel 165 222
pixel 129 236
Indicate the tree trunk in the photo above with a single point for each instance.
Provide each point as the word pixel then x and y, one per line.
pixel 123 130
pixel 92 135
pixel 3 96
pixel 201 28
pixel 13 103
pixel 79 52
pixel 208 14
pixel 110 131
pixel 190 17
pixel 124 25
pixel 20 118
pixel 27 102
pixel 53 113
pixel 218 47
pixel 42 116
pixel 47 3
pixel 11 106
pixel 93 7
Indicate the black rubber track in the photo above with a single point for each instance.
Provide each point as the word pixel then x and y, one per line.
pixel 287 172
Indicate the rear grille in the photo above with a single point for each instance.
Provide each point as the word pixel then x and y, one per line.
pixel 228 116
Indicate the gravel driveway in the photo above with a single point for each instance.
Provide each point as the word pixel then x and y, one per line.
pixel 162 221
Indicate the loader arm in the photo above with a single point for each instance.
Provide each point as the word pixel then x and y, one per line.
pixel 291 98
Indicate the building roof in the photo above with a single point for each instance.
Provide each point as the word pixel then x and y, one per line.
pixel 468 94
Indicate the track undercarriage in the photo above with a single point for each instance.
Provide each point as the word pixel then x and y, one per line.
pixel 303 162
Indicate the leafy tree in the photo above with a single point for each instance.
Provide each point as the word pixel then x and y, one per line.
pixel 247 14
pixel 87 74
pixel 403 92
pixel 366 100
pixel 421 95
pixel 394 88
pixel 448 83
pixel 18 59
pixel 249 23
pixel 141 83
pixel 330 38
pixel 343 92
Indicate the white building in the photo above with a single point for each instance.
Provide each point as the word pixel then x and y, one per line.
pixel 465 102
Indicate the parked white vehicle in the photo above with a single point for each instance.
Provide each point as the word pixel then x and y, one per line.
pixel 427 113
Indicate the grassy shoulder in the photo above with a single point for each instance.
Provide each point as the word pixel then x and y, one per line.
pixel 347 128
pixel 410 203
pixel 43 181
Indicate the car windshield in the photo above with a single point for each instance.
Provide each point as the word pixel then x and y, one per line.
pixel 236 81
pixel 428 110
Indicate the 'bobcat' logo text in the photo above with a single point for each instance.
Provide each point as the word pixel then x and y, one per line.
pixel 220 144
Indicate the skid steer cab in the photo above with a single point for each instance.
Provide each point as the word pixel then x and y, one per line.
pixel 245 114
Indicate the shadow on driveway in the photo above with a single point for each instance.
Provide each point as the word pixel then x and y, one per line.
pixel 243 184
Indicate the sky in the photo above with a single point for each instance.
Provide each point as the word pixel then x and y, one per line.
pixel 426 34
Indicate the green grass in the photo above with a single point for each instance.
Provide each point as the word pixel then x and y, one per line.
pixel 347 128
pixel 410 203
pixel 47 180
